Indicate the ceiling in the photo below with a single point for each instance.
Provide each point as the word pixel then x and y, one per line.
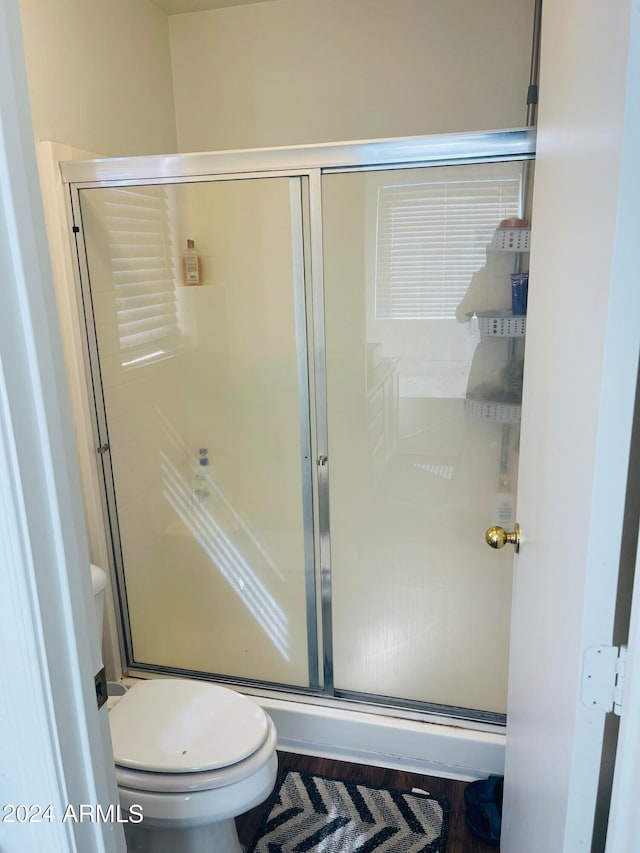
pixel 177 7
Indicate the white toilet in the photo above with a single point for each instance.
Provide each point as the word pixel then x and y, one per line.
pixel 193 756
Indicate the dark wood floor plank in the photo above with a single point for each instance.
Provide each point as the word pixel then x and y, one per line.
pixel 460 839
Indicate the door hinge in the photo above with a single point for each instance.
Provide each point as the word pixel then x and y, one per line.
pixel 102 449
pixel 100 680
pixel 75 229
pixel 603 678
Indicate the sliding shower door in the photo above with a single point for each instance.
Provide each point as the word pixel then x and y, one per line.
pixel 424 370
pixel 304 441
pixel 203 418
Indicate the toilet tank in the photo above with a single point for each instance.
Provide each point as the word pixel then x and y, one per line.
pixel 99 581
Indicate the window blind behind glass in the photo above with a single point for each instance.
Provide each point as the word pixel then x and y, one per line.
pixel 431 238
pixel 142 256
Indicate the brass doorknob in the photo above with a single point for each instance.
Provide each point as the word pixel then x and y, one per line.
pixel 498 537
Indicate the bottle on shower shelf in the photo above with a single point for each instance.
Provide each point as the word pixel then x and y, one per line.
pixel 192 266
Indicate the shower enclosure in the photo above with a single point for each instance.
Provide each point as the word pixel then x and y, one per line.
pixel 301 453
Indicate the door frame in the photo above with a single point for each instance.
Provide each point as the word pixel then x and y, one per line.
pixel 56 746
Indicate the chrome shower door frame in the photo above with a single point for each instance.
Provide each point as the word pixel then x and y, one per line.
pixel 310 162
pixel 99 409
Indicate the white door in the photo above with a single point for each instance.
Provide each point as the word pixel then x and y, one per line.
pixel 580 375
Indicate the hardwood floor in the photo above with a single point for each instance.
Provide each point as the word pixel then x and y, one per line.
pixel 460 839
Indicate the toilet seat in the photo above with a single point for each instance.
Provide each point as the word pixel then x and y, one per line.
pixel 177 783
pixel 192 756
pixel 175 727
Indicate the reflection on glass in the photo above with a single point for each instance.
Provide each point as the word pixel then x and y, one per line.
pixel 134 247
pixel 424 372
pixel 201 393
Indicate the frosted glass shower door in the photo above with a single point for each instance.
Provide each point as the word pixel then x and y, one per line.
pixel 423 428
pixel 206 414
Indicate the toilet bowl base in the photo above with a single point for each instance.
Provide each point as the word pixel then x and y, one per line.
pixel 194 821
pixel 221 837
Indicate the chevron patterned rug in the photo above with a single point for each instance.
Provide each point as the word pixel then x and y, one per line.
pixel 317 813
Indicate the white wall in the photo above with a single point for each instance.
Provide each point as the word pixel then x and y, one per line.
pixel 99 75
pixel 302 71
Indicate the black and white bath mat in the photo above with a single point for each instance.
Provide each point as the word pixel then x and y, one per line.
pixel 317 813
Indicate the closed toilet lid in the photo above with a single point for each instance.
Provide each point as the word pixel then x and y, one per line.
pixel 182 726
